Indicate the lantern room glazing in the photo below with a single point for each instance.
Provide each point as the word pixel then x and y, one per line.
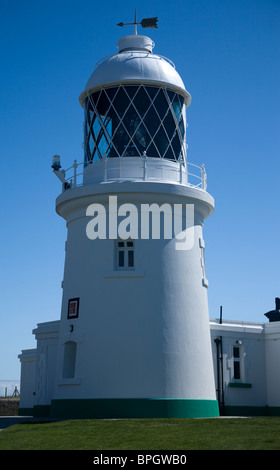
pixel 135 121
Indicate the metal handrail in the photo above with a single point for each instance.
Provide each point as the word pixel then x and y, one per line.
pixel 72 181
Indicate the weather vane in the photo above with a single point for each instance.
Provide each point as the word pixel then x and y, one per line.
pixel 145 23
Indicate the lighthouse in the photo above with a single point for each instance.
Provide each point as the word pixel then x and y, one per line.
pixel 134 336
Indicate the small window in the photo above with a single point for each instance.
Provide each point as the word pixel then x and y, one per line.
pixel 125 254
pixel 236 368
pixel 236 352
pixel 69 361
pixel 236 363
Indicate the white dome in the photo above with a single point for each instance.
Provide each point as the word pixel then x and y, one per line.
pixel 135 63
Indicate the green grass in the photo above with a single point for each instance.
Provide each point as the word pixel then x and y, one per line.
pixel 145 434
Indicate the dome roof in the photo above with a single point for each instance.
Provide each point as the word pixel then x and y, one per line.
pixel 135 63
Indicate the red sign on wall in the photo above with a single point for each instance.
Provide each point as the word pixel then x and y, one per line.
pixel 73 308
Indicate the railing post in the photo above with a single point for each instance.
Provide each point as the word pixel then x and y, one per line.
pixel 75 173
pixel 181 161
pixel 181 172
pixel 203 178
pixel 145 165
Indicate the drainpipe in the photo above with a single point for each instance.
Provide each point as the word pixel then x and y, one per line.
pixel 220 371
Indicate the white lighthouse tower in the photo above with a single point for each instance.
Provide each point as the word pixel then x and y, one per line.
pixel 134 338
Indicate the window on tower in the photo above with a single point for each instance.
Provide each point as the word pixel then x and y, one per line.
pixel 238 362
pixel 125 254
pixel 69 360
pixel 130 120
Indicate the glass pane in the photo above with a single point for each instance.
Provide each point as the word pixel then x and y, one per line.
pixel 169 124
pixel 91 144
pixel 169 154
pixel 87 153
pixel 86 129
pixel 95 128
pixel 152 91
pixel 161 104
pixel 114 119
pixel 108 126
pixel 94 97
pixel 121 259
pixel 103 104
pixel 177 108
pixel 69 360
pixel 131 120
pixel 236 366
pixel 131 150
pixel 121 102
pixel 120 244
pixel 176 146
pixel 181 100
pixel 91 116
pixel 102 145
pixel 111 93
pixel 131 90
pixel 141 138
pixel 236 352
pixel 129 244
pixel 112 153
pixel 152 121
pixel 171 95
pixel 152 151
pixel 141 101
pixel 121 140
pixel 182 127
pixel 86 110
pixel 161 141
pixel 130 258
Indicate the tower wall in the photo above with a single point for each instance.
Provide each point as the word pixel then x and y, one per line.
pixel 141 334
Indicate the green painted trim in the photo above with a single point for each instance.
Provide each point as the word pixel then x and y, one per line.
pixel 239 385
pixel 88 409
pixel 133 408
pixel 273 410
pixel 41 411
pixel 247 411
pixel 25 412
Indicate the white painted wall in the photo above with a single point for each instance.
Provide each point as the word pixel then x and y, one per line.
pixel 28 378
pixel 253 370
pixel 272 355
pixel 47 342
pixel 145 334
pixel 261 343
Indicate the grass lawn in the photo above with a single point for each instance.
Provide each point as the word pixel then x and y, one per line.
pixel 145 434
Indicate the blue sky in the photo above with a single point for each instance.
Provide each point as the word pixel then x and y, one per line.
pixel 227 53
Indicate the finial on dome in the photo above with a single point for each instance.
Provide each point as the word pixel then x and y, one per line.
pixel 145 23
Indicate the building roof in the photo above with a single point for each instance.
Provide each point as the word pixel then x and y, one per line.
pixel 135 63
